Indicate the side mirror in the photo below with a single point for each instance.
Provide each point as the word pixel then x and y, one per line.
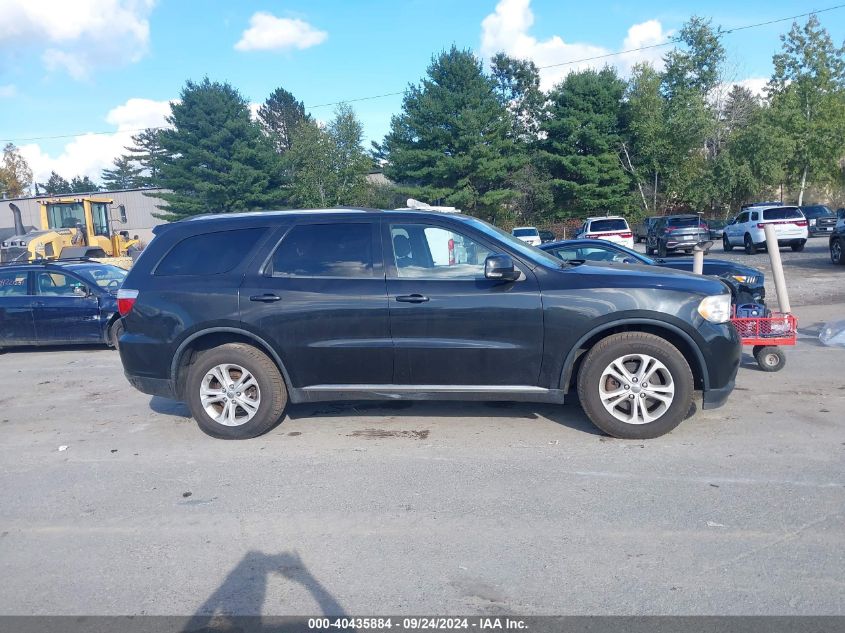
pixel 122 209
pixel 501 268
pixel 81 291
pixel 629 260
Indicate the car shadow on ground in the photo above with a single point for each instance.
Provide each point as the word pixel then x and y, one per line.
pixel 237 604
pixel 570 415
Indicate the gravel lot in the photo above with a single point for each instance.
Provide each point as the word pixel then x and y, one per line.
pixel 427 508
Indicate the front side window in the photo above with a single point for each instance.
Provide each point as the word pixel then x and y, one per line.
pixel 13 284
pixel 52 284
pixel 743 218
pixel 421 251
pixel 325 250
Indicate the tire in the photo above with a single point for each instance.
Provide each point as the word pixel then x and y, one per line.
pixel 726 245
pixel 594 375
pixel 661 250
pixel 267 388
pixel 115 330
pixel 648 249
pixel 769 357
pixel 837 252
pixel 798 246
pixel 750 248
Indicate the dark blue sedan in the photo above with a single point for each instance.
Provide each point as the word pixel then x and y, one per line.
pixel 604 251
pixel 59 303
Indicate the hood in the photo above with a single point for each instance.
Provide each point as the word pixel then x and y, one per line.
pixel 644 276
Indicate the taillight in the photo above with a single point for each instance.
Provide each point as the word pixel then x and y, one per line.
pixel 669 229
pixel 125 300
pixel 626 235
pixel 704 226
pixel 801 223
pixel 760 225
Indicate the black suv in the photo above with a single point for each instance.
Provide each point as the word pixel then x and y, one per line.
pixel 240 314
pixel 820 219
pixel 674 233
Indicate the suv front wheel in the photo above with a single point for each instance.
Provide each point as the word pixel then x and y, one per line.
pixel 635 385
pixel 235 392
pixel 836 252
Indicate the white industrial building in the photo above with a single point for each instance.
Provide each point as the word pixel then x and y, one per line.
pixel 139 204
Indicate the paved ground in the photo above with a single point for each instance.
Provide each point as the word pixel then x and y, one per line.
pixel 415 508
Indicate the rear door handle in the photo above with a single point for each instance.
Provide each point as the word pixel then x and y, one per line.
pixel 265 298
pixel 412 298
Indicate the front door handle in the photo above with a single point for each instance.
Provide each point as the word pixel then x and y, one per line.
pixel 265 298
pixel 415 298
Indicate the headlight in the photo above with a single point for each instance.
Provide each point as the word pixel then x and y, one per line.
pixel 812 223
pixel 716 308
pixel 741 278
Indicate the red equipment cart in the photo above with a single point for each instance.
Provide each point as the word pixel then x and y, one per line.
pixel 766 334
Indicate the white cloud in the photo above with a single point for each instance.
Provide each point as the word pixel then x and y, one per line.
pixel 89 154
pixel 266 32
pixel 78 36
pixel 756 85
pixel 507 29
pixel 8 90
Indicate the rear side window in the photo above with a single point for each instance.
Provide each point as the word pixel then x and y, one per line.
pixel 783 213
pixel 325 250
pixel 608 225
pixel 209 253
pixel 13 283
pixel 525 233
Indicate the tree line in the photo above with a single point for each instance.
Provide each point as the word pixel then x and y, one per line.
pixel 487 139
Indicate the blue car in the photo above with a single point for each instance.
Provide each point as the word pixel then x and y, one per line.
pixel 59 303
pixel 603 251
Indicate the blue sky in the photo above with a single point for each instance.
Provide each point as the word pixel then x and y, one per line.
pixel 70 68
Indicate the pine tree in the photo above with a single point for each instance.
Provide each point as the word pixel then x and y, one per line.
pixel 147 153
pixel 279 115
pixel 452 142
pixel 82 184
pixel 125 174
pixel 582 143
pixel 216 159
pixel 55 185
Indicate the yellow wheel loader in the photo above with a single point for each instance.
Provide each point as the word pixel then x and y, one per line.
pixel 71 228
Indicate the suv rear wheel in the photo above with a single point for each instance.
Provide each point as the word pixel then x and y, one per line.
pixel 235 391
pixel 726 245
pixel 797 246
pixel 635 385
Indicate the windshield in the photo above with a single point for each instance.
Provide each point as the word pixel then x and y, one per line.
pixel 65 215
pixel 608 225
pixel 783 213
pixel 104 275
pixel 529 232
pixel 532 253
pixel 817 212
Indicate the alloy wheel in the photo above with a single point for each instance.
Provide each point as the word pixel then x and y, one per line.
pixel 230 395
pixel 636 389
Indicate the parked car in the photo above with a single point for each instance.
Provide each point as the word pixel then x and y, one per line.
pixel 673 233
pixel 837 240
pixel 717 229
pixel 820 219
pixel 747 228
pixel 641 228
pixel 612 228
pixel 239 314
pixel 602 251
pixel 528 234
pixel 59 303
pixel 547 236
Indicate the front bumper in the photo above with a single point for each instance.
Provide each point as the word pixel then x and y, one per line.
pixel 715 398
